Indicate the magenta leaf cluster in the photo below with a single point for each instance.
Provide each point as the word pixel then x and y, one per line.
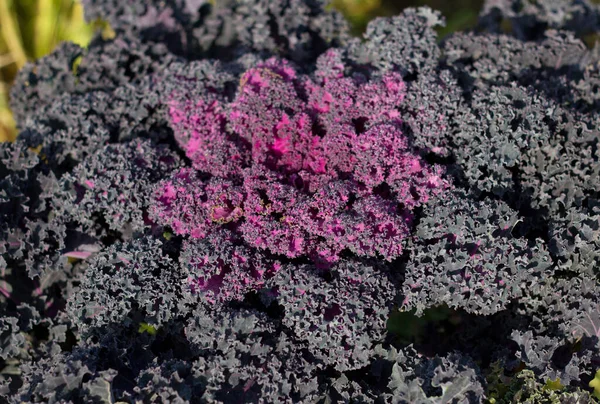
pixel 298 165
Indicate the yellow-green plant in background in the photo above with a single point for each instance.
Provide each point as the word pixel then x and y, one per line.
pixel 30 29
pixel 358 12
pixel 595 384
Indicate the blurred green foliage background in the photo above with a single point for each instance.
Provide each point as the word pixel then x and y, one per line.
pixel 30 29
